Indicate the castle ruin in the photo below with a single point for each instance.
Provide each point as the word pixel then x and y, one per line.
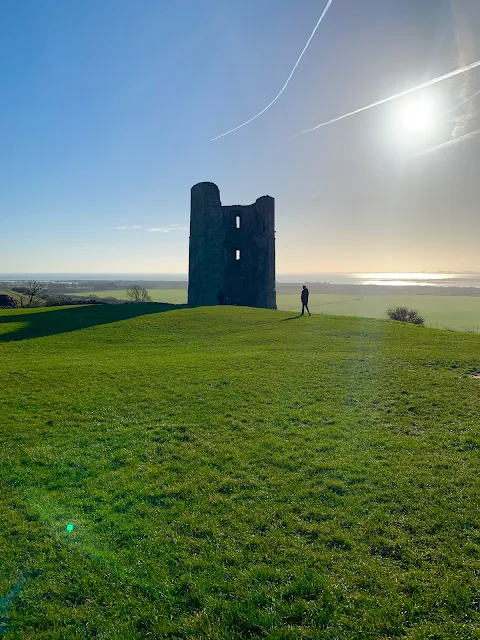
pixel 232 251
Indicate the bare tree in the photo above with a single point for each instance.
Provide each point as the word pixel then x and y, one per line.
pixel 33 289
pixel 137 294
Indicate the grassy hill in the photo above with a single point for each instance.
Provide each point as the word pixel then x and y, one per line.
pixel 460 313
pixel 18 297
pixel 11 294
pixel 234 473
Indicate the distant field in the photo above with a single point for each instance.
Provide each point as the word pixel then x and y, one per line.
pixel 461 313
pixel 174 296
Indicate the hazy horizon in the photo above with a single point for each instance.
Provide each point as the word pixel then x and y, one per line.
pixel 466 279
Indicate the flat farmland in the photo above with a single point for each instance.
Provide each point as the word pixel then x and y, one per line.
pixel 173 296
pixel 460 313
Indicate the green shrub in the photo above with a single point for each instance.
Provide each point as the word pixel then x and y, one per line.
pixel 402 314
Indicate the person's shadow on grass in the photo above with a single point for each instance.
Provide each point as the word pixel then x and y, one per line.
pixel 47 321
pixel 292 318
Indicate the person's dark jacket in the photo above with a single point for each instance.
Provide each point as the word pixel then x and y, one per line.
pixel 304 296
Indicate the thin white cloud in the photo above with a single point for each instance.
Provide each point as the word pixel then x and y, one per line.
pixel 90 247
pixel 449 143
pixel 172 227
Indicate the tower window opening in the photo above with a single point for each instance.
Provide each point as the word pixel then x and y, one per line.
pixel 237 254
pixel 237 222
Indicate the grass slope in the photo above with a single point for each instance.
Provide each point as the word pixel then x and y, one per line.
pixel 460 313
pixel 12 294
pixel 231 473
pixel 19 297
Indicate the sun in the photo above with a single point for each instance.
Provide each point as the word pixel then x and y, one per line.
pixel 417 116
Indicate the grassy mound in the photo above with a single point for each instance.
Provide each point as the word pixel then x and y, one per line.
pixel 459 313
pixel 236 473
pixel 9 299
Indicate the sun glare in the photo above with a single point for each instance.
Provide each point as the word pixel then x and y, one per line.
pixel 418 116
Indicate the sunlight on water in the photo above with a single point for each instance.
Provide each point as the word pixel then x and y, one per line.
pixel 397 283
pixel 398 279
pixel 387 278
pixel 405 276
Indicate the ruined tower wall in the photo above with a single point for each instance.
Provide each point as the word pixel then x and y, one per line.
pixel 265 243
pixel 207 237
pixel 250 276
pixel 232 250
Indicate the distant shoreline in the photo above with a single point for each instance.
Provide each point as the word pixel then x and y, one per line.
pixel 396 280
pixel 378 289
pixel 281 287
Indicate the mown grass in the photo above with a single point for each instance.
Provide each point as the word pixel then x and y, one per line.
pixel 231 473
pixel 459 313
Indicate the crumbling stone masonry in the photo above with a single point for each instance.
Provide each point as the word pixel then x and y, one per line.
pixel 232 251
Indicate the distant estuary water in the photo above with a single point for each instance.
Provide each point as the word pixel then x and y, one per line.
pixel 421 279
pixel 376 278
pixel 390 279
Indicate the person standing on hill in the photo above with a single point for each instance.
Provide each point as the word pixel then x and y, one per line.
pixel 304 299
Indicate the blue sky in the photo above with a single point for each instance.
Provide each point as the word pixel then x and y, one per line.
pixel 108 108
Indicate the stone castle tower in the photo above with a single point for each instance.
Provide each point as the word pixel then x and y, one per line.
pixel 232 251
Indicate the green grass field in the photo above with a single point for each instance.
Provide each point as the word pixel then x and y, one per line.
pixel 460 313
pixel 172 296
pixel 234 473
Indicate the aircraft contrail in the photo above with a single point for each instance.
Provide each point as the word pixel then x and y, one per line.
pixel 451 74
pixel 460 104
pixel 288 79
pixel 466 51
pixel 472 134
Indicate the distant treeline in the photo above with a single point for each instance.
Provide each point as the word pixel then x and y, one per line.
pixel 93 286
